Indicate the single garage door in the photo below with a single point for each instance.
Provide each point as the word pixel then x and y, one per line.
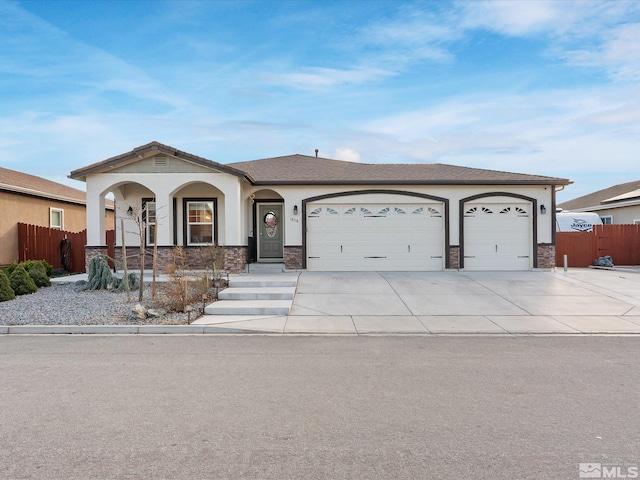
pixel 370 237
pixel 497 236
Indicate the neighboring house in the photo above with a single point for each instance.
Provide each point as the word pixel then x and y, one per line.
pixel 618 204
pixel 29 199
pixel 321 214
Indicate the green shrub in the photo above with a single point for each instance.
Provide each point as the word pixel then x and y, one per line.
pixel 39 275
pixel 6 292
pixel 29 264
pixel 100 277
pixel 10 268
pixel 21 282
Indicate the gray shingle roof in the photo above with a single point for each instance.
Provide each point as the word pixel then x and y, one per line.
pixel 302 169
pixel 308 170
pixel 601 196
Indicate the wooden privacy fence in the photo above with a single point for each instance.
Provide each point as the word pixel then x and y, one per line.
pixel 43 243
pixel 620 242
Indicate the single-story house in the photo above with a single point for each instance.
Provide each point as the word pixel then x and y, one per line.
pixel 34 200
pixel 615 205
pixel 321 214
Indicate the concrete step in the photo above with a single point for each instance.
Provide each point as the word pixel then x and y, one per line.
pixel 249 307
pixel 265 268
pixel 257 293
pixel 251 281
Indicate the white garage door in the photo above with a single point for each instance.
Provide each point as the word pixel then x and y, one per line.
pixel 368 237
pixel 497 236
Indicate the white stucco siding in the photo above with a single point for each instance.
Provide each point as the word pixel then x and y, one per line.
pixel 234 209
pixel 294 195
pixel 132 187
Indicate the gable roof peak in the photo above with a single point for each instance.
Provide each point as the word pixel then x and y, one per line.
pixel 138 153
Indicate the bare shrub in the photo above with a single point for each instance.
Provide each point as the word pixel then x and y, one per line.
pixel 184 287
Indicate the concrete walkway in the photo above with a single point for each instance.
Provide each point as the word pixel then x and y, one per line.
pixel 580 301
pixel 576 302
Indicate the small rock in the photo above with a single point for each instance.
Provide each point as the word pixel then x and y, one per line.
pixel 156 312
pixel 140 311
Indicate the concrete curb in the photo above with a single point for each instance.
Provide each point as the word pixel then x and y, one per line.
pixel 218 330
pixel 72 329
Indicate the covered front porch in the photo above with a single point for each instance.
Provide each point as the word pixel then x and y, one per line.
pixel 202 216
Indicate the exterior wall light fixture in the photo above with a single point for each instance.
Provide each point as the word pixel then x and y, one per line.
pixel 543 209
pixel 295 209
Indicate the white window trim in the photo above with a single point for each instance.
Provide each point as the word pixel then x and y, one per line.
pixel 148 223
pixel 610 217
pixel 61 212
pixel 636 221
pixel 212 223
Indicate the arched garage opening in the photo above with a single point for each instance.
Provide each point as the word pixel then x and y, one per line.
pixel 498 231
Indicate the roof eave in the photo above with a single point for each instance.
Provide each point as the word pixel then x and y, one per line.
pixel 40 194
pixel 411 182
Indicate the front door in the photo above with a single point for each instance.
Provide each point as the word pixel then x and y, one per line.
pixel 270 232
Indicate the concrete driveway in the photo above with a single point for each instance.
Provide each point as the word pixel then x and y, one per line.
pixel 542 302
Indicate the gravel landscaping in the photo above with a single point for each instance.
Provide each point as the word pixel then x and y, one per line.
pixel 67 304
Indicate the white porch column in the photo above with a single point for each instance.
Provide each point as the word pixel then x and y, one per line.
pixel 233 215
pixel 96 234
pixel 164 216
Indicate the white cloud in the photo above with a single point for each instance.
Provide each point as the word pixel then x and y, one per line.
pixel 347 154
pixel 575 134
pixel 515 18
pixel 413 34
pixel 608 33
pixel 619 53
pixel 321 78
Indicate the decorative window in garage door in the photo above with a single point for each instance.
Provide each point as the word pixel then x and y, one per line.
pixel 474 211
pixel 482 210
pixel 521 212
pixel 323 211
pixel 376 211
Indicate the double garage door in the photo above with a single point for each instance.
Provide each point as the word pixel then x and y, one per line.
pixel 380 236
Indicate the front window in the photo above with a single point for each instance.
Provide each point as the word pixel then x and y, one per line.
pixel 200 222
pixel 56 218
pixel 607 219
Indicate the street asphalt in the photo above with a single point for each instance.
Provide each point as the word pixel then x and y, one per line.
pixel 304 407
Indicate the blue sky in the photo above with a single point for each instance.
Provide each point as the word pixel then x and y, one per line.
pixel 549 88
